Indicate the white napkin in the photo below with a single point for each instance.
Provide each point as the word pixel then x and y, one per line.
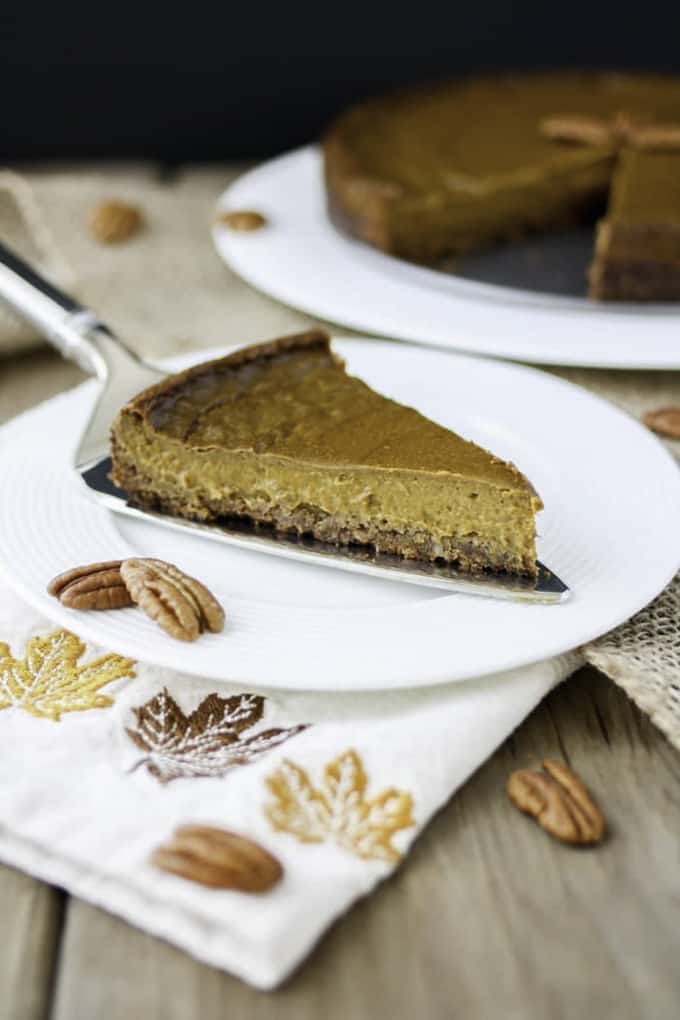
pixel 82 807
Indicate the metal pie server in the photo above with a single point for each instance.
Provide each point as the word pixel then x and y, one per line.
pixel 79 335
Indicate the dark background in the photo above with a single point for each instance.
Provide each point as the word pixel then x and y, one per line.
pixel 208 80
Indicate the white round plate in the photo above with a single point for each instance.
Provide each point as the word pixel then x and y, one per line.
pixel 301 259
pixel 612 497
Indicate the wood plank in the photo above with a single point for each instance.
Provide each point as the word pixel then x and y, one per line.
pixel 30 918
pixel 489 917
pixel 30 911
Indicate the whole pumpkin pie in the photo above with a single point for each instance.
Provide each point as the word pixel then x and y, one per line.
pixel 281 435
pixel 462 165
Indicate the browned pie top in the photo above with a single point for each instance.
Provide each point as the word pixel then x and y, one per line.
pixel 483 132
pixel 293 399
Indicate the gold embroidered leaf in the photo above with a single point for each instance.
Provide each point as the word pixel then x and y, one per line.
pixel 298 808
pixel 339 811
pixel 207 741
pixel 48 681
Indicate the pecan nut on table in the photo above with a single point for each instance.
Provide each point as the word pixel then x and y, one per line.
pixel 559 801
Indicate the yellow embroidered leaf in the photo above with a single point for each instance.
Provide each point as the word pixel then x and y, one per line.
pixel 340 811
pixel 297 808
pixel 346 779
pixel 14 680
pixel 48 681
pixel 385 814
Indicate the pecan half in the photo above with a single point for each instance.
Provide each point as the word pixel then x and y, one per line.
pixel 665 421
pixel 622 129
pixel 243 220
pixel 113 221
pixel 93 586
pixel 577 128
pixel 559 802
pixel 180 604
pixel 657 137
pixel 218 858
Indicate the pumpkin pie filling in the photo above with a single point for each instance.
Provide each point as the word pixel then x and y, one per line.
pixel 281 435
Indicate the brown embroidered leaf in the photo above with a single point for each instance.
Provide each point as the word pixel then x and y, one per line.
pixel 48 681
pixel 339 811
pixel 206 742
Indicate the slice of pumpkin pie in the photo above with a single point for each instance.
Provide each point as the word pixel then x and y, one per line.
pixel 281 435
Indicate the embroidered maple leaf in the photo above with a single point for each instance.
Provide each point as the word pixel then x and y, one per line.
pixel 208 741
pixel 339 811
pixel 48 681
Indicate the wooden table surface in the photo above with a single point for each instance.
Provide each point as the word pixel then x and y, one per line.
pixel 488 918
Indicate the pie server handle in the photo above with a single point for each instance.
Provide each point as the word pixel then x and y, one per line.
pixel 79 335
pixel 57 316
pixel 76 332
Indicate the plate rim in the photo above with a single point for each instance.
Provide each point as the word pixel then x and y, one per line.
pixel 65 617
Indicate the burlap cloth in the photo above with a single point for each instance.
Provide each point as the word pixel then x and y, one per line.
pixel 23 228
pixel 166 290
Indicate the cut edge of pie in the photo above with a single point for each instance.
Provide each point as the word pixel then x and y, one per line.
pixel 279 435
pixel 637 246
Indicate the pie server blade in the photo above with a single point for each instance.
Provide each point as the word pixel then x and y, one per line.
pixel 80 336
